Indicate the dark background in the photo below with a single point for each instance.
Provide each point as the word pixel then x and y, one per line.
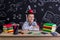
pixel 8 8
pixel 15 10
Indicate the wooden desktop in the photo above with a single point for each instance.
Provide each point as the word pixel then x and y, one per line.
pixel 11 36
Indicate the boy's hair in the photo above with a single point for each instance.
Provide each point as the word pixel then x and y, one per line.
pixel 29 14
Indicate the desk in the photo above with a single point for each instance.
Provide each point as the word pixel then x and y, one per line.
pixel 9 36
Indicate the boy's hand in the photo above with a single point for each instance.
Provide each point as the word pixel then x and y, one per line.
pixel 36 26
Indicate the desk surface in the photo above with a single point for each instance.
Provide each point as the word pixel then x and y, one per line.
pixel 25 34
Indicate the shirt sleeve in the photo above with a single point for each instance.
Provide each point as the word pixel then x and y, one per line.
pixel 24 27
pixel 34 24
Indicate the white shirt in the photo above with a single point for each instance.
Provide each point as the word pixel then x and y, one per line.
pixel 27 26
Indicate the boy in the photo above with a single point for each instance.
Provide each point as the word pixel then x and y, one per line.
pixel 30 24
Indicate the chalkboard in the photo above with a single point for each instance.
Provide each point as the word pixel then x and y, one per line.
pixel 15 10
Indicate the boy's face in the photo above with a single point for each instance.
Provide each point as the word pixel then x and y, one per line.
pixel 30 18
